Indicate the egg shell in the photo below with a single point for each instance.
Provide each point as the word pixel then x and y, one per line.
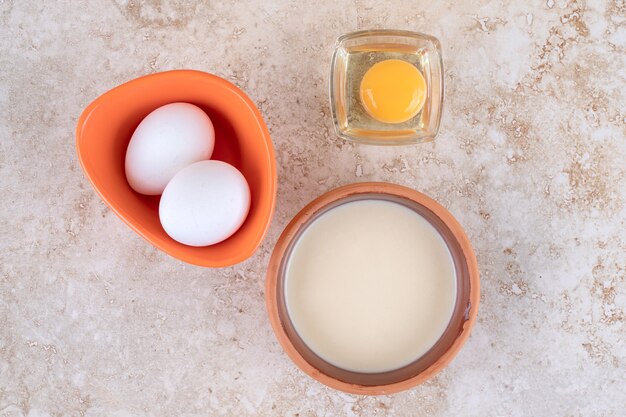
pixel 167 140
pixel 205 203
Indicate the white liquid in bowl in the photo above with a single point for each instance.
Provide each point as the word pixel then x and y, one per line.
pixel 370 286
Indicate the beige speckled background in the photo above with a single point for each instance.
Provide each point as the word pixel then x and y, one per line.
pixel 531 158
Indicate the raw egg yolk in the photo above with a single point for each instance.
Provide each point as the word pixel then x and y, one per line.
pixel 393 91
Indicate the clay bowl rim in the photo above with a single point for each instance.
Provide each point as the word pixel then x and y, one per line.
pixel 246 102
pixel 303 218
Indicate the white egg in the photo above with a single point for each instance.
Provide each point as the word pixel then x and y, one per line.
pixel 167 140
pixel 205 203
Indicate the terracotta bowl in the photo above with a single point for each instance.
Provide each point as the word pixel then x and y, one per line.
pixel 446 348
pixel 241 139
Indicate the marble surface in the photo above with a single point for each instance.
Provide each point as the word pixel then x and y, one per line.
pixel 530 158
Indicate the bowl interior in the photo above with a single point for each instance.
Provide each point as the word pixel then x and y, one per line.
pixel 241 139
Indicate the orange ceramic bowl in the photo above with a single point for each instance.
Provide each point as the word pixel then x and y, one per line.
pixel 444 350
pixel 241 139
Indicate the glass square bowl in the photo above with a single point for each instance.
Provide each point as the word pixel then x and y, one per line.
pixel 354 54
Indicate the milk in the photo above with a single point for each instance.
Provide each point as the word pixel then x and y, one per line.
pixel 370 286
